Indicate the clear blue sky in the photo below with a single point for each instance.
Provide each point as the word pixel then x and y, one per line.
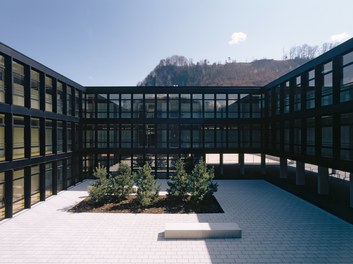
pixel 118 42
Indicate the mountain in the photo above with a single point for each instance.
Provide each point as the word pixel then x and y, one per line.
pixel 179 71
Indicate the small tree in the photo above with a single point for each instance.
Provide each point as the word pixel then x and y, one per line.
pixel 100 191
pixel 201 182
pixel 179 183
pixel 122 181
pixel 100 172
pixel 147 189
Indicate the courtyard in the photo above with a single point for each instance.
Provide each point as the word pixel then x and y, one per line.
pixel 277 228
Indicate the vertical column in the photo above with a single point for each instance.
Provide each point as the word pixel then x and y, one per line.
pixel 283 168
pixel 8 193
pixel 300 173
pixel 323 181
pixel 351 189
pixel 241 163
pixel 263 164
pixel 221 167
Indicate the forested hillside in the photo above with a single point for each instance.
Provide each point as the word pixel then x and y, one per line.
pixel 179 71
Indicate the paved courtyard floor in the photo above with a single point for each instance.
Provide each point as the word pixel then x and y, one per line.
pixel 277 228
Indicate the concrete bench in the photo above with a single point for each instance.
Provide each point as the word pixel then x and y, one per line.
pixel 202 230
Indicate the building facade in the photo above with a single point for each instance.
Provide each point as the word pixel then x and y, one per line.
pixel 53 131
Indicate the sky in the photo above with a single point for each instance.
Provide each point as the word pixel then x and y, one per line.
pixel 119 42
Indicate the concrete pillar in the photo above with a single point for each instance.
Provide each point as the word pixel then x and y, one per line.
pixel 323 181
pixel 263 164
pixel 283 168
pixel 221 168
pixel 241 163
pixel 300 173
pixel 351 189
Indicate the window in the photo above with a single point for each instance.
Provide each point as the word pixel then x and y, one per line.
pixel 18 137
pixel 245 103
pixel 209 136
pixel 185 105
pixel 233 137
pixel 310 92
pixel 310 136
pixel 327 89
pixel 69 178
pixel 126 136
pixel 197 106
pixel 297 94
pixel 48 180
pixel 2 80
pixel 60 97
pixel 346 92
pixel 150 135
pixel 35 87
pixel 150 105
pixel 286 94
pixel 162 103
pixel 35 137
pixel 69 100
pixel 60 137
pixel 78 103
pixel 69 137
pixel 173 136
pixel 173 106
pixel 102 136
pixel 138 110
pixel 209 106
pixel 48 137
pixel 2 195
pixel 113 136
pixel 59 175
pixel 196 136
pixel 126 106
pixel 18 190
pixel 232 106
pixel 297 136
pixel 91 106
pixel 102 106
pixel 2 137
pixel 114 105
pixel 18 90
pixel 256 105
pixel 35 184
pixel 221 136
pixel 185 136
pixel 221 105
pixel 327 136
pixel 89 132
pixel 48 94
pixel 347 136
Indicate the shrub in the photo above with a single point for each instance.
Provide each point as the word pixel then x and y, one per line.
pixel 99 192
pixel 147 189
pixel 100 172
pixel 122 181
pixel 179 183
pixel 201 182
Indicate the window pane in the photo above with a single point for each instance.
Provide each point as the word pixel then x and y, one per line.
pixel 18 84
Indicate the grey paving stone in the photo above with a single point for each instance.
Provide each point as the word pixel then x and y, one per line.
pixel 277 228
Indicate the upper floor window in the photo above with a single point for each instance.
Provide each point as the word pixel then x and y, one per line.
pixel 69 100
pixel 2 137
pixel 310 92
pixel 35 87
pixel 48 94
pixel 18 137
pixel 2 79
pixel 346 92
pixel 327 89
pixel 60 98
pixel 18 90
